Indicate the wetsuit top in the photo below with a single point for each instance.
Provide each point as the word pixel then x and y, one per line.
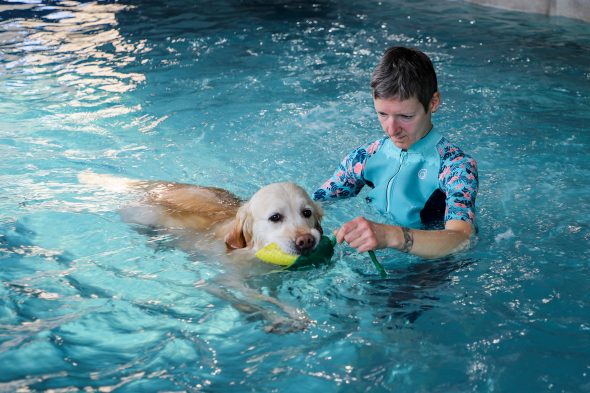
pixel 431 181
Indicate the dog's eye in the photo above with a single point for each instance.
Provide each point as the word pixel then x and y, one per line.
pixel 275 217
pixel 307 213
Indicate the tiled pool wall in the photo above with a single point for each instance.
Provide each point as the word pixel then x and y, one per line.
pixel 577 9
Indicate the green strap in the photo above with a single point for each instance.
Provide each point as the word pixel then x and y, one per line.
pixel 379 267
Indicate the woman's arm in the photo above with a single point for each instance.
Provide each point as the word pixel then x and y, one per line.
pixel 365 235
pixel 347 180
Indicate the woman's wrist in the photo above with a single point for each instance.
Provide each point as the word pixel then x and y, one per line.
pixel 407 240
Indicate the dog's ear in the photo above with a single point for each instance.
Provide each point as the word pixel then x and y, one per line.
pixel 240 235
pixel 318 215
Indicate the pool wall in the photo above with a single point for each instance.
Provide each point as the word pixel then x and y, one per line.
pixel 577 9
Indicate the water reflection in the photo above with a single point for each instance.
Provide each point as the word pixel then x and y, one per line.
pixel 71 53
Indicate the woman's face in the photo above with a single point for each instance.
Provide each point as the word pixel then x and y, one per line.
pixel 405 122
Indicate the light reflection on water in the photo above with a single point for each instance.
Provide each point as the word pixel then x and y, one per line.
pixel 62 65
pixel 244 93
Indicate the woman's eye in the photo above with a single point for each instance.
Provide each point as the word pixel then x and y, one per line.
pixel 275 217
pixel 306 213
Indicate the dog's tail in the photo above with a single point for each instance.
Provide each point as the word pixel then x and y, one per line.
pixel 109 182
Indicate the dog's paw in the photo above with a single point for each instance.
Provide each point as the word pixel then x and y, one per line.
pixel 284 325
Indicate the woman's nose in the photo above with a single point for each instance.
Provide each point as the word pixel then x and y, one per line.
pixel 390 125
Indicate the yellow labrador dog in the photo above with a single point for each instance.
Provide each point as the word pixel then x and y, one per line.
pixel 222 223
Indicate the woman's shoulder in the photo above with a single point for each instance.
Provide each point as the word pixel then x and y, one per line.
pixel 366 150
pixel 450 153
pixel 374 146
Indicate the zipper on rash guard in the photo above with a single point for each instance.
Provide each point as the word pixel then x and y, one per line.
pixel 402 158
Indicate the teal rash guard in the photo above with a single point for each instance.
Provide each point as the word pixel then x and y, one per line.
pixel 430 182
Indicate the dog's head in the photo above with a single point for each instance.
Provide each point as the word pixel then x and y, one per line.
pixel 281 213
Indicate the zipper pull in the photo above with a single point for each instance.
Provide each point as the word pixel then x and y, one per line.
pixel 403 154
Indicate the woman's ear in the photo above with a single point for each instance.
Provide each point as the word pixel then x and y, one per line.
pixel 435 102
pixel 240 235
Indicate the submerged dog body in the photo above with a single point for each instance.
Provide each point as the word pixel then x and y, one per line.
pixel 281 213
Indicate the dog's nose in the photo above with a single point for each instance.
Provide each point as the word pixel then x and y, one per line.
pixel 305 242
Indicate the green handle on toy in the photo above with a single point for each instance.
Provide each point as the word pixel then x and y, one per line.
pixel 378 266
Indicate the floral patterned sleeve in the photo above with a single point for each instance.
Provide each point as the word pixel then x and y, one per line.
pixel 458 179
pixel 348 179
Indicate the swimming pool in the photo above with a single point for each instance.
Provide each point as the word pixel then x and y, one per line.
pixel 238 94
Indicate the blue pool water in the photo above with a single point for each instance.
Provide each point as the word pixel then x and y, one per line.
pixel 238 94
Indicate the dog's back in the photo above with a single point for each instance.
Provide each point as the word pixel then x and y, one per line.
pixel 173 205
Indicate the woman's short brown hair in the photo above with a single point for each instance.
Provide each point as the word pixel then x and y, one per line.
pixel 404 73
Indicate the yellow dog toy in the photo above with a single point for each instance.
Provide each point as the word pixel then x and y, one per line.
pixel 323 252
